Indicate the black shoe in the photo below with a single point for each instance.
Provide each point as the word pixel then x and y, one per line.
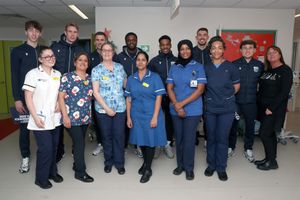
pixel 146 176
pixel 178 171
pixel 268 165
pixel 57 179
pixel 259 162
pixel 142 169
pixel 189 175
pixel 208 172
pixel 45 185
pixel 107 169
pixel 223 176
pixel 85 178
pixel 121 170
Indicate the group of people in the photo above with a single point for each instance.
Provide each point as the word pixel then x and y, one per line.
pixel 151 104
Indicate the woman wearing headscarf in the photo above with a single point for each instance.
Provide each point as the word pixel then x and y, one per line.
pixel 185 84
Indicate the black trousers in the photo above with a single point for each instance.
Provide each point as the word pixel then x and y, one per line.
pixel 77 134
pixel 148 155
pixel 165 105
pixel 268 136
pixel 24 140
pixel 249 113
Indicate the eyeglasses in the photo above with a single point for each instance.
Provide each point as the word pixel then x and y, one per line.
pixel 106 50
pixel 48 58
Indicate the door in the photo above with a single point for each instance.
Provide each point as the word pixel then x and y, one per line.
pixel 6 97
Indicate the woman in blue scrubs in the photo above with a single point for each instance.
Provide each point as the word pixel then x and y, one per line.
pixel 222 83
pixel 145 118
pixel 186 81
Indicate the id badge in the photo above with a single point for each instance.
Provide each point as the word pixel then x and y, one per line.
pixel 43 117
pixel 193 83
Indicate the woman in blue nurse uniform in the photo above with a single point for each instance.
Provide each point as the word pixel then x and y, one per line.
pixel 186 81
pixel 222 83
pixel 145 118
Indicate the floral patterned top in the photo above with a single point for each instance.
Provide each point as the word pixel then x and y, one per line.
pixel 78 97
pixel 111 87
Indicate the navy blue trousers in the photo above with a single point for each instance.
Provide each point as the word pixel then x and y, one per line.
pixel 77 134
pixel 47 142
pixel 249 113
pixel 218 127
pixel 24 140
pixel 185 136
pixel 113 138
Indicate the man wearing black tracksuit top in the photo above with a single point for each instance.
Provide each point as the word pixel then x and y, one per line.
pixel 65 51
pixel 23 59
pixel 161 64
pixel 250 70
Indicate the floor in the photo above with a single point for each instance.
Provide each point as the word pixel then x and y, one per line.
pixel 245 181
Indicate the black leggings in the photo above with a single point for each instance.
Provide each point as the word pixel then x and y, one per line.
pixel 148 154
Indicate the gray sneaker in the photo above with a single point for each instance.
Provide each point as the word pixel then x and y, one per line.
pixel 249 155
pixel 24 168
pixel 230 152
pixel 169 151
pixel 157 152
pixel 98 150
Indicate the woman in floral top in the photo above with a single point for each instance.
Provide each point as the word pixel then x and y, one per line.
pixel 109 79
pixel 75 94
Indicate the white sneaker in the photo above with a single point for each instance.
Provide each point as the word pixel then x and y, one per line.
pixel 230 152
pixel 98 150
pixel 24 168
pixel 169 151
pixel 157 152
pixel 139 152
pixel 249 155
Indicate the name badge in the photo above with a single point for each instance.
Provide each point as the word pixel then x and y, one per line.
pixel 56 78
pixel 193 83
pixel 255 69
pixel 105 78
pixel 145 84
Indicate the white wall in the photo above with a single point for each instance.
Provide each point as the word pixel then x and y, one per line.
pixel 151 23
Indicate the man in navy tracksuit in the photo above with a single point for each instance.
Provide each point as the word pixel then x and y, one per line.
pixel 95 59
pixel 250 70
pixel 128 56
pixel 65 50
pixel 23 59
pixel 161 64
pixel 128 59
pixel 200 51
pixel 201 55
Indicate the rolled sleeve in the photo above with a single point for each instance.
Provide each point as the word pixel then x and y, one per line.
pixel 159 86
pixel 128 88
pixel 170 78
pixel 63 83
pixel 201 76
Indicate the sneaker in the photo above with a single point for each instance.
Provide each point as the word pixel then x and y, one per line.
pixel 98 150
pixel 249 155
pixel 157 152
pixel 169 151
pixel 139 152
pixel 230 152
pixel 24 168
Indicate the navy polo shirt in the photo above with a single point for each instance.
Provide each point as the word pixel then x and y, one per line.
pixel 181 78
pixel 219 94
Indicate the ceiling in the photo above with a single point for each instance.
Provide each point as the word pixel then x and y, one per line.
pixel 52 13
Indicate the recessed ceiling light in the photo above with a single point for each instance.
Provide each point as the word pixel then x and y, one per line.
pixel 78 12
